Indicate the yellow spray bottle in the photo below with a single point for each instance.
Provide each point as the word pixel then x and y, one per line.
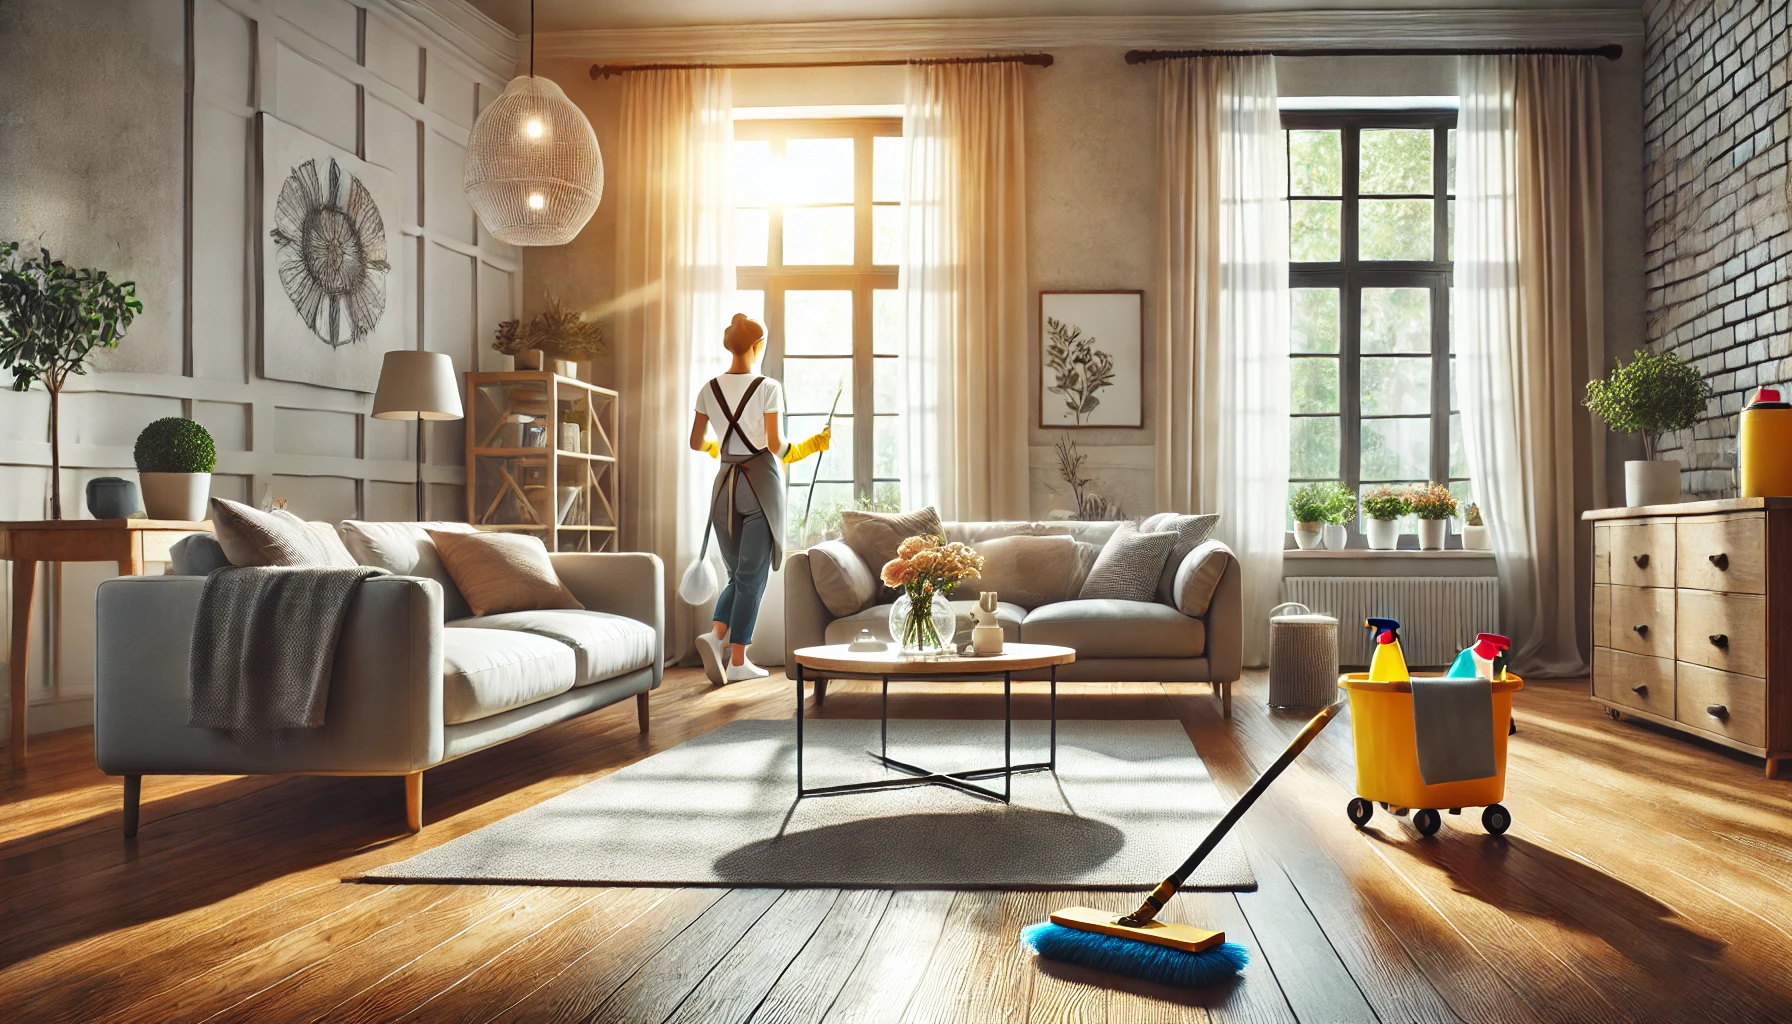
pixel 1389 663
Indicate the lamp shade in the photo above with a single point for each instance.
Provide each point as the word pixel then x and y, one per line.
pixel 533 172
pixel 417 386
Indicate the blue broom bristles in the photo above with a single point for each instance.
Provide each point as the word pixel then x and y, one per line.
pixel 1134 958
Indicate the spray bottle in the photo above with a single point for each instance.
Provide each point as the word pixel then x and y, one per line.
pixel 1389 663
pixel 1485 659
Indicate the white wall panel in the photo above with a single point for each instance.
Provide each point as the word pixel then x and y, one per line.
pixel 449 92
pixel 228 423
pixel 327 498
pixel 392 143
pixel 331 21
pixel 223 53
pixel 222 259
pixel 391 502
pixel 445 206
pixel 496 291
pixel 24 416
pixel 315 98
pixel 389 440
pixel 233 487
pixel 112 420
pixel 394 58
pixel 316 432
pixel 449 327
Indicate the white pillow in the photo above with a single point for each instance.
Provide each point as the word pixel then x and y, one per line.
pixel 250 536
pixel 404 549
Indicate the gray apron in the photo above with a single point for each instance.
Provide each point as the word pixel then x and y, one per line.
pixel 742 482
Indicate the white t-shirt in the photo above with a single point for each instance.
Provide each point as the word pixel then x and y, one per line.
pixel 769 398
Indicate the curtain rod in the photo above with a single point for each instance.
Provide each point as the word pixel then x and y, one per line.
pixel 1610 51
pixel 1039 60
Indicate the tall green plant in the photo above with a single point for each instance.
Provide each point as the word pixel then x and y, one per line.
pixel 1652 394
pixel 52 317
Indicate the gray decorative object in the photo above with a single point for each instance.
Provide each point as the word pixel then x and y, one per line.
pixel 329 286
pixel 112 497
pixel 1090 352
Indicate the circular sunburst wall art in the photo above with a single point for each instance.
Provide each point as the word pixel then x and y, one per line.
pixel 330 245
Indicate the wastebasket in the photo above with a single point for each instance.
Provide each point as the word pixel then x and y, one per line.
pixel 1303 657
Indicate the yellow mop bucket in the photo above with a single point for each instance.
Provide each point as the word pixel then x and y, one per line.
pixel 1387 757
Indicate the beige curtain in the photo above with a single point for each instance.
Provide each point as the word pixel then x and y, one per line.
pixel 674 280
pixel 963 278
pixel 1222 338
pixel 1530 332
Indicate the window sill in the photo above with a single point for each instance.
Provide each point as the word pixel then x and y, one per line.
pixel 1320 553
pixel 1410 562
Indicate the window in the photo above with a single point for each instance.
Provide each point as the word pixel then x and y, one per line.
pixel 818 232
pixel 1370 214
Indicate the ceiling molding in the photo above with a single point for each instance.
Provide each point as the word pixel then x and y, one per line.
pixel 1439 28
pixel 463 28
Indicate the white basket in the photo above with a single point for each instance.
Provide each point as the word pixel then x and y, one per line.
pixel 1303 657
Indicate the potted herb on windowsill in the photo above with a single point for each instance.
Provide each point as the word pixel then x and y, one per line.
pixel 175 458
pixel 1339 511
pixel 1435 506
pixel 1308 506
pixel 1474 531
pixel 1656 392
pixel 1382 509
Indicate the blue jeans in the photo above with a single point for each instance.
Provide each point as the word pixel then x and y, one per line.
pixel 751 566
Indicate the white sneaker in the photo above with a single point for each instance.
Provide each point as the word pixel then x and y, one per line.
pixel 744 671
pixel 710 648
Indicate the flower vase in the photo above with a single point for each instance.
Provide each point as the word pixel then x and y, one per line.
pixel 922 625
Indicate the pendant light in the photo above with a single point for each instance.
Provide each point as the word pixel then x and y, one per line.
pixel 533 172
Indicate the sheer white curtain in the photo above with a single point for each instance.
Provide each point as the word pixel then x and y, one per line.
pixel 675 282
pixel 1222 336
pixel 964 292
pixel 1529 330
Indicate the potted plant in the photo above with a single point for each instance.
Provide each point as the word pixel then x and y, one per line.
pixel 1474 531
pixel 1435 506
pixel 1338 514
pixel 175 458
pixel 1308 505
pixel 52 317
pixel 1382 509
pixel 1654 393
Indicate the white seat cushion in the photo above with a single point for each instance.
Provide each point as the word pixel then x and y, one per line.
pixel 1114 628
pixel 604 645
pixel 487 671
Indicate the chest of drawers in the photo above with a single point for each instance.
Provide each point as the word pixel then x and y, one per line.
pixel 1692 619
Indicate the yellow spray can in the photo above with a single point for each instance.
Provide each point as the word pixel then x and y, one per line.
pixel 1764 449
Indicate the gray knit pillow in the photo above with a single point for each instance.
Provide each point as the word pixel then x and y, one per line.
pixel 1129 565
pixel 1190 532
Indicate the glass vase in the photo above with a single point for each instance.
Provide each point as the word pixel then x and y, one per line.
pixel 923 625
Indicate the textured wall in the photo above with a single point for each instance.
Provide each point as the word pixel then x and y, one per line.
pixel 1716 256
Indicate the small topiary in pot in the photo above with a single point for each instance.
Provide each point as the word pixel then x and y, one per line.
pixel 175 458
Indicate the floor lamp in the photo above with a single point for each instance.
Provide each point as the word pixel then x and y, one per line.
pixel 417 386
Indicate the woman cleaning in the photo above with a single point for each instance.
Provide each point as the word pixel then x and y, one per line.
pixel 746 505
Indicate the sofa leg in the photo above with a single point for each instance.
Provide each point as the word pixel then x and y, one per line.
pixel 133 796
pixel 641 708
pixel 1225 695
pixel 821 691
pixel 413 801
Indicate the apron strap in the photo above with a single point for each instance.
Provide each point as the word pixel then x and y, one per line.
pixel 733 418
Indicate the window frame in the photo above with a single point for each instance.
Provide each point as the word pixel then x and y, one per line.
pixel 1350 275
pixel 862 278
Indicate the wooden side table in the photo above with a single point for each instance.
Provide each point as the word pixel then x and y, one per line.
pixel 129 542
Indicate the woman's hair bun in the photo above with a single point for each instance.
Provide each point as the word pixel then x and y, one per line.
pixel 742 334
pixel 739 318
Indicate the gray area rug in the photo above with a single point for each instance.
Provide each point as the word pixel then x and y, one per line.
pixel 1129 801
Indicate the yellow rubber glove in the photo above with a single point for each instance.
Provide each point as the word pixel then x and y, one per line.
pixel 809 446
pixel 712 449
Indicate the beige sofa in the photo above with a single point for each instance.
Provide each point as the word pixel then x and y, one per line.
pixel 1197 636
pixel 417 681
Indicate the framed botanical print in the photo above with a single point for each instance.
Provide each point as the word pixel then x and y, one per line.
pixel 1090 359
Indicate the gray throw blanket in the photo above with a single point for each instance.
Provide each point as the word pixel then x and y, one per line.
pixel 1453 723
pixel 263 643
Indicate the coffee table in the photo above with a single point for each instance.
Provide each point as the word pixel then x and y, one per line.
pixel 888 666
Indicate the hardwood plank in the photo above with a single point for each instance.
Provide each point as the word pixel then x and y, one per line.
pixel 734 989
pixel 652 992
pixel 886 976
pixel 819 971
pixel 1311 975
pixel 975 973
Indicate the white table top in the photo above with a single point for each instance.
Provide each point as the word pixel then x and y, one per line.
pixel 1014 658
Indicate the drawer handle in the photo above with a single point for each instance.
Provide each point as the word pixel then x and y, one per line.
pixel 1721 560
pixel 1719 640
pixel 1641 629
pixel 1642 561
pixel 1717 711
pixel 1640 689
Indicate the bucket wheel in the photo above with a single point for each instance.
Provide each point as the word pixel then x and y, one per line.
pixel 1360 811
pixel 1496 819
pixel 1427 821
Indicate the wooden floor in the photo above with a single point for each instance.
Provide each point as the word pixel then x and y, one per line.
pixel 1646 877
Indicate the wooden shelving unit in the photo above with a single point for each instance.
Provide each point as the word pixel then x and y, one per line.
pixel 541 458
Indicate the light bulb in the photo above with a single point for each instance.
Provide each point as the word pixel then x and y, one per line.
pixel 533 128
pixel 537 201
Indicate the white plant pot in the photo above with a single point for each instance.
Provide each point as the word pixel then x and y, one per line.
pixel 1306 535
pixel 1476 538
pixel 1337 536
pixel 183 497
pixel 1383 534
pixel 1651 482
pixel 1432 533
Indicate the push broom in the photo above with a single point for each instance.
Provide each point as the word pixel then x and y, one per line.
pixel 1141 946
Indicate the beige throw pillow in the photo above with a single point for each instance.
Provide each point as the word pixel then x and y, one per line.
pixel 406 550
pixel 1026 570
pixel 843 581
pixel 875 536
pixel 502 572
pixel 1189 531
pixel 1128 566
pixel 250 536
pixel 1196 582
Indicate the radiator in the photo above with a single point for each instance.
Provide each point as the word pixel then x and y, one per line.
pixel 1438 615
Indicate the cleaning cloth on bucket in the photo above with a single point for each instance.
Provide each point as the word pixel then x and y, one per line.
pixel 1453 723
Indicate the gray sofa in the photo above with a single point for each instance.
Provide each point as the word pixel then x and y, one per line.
pixel 1195 636
pixel 413 686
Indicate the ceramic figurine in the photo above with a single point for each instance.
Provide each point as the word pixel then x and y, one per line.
pixel 986 635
